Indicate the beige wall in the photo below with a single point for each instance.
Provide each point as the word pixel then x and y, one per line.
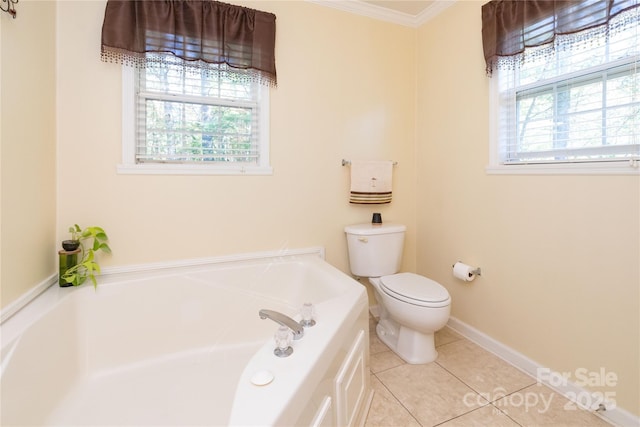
pixel 27 137
pixel 345 90
pixel 559 254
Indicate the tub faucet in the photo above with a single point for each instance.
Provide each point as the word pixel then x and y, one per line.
pixel 284 320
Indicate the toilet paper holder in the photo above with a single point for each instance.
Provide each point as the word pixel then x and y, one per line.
pixel 476 271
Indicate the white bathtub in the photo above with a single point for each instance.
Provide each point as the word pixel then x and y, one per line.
pixel 180 347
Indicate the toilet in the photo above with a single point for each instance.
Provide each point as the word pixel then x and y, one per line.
pixel 412 307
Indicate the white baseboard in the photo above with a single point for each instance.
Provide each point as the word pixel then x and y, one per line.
pixel 612 414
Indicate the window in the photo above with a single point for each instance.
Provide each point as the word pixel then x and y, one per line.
pixel 188 104
pixel 571 109
pixel 185 121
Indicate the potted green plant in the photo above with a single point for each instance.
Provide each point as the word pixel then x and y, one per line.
pixel 90 240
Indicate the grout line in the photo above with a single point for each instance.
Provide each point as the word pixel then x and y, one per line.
pixel 396 399
pixel 506 414
pixel 467 385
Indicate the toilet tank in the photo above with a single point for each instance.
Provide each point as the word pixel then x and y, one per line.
pixel 375 249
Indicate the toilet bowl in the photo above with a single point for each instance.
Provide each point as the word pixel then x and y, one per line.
pixel 412 307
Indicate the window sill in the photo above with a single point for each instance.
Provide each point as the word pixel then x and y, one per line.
pixel 605 168
pixel 182 169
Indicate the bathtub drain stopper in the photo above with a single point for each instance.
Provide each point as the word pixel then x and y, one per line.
pixel 263 377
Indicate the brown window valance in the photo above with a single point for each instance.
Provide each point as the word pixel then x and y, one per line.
pixel 511 26
pixel 203 34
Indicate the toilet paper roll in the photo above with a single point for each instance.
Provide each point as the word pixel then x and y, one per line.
pixel 463 272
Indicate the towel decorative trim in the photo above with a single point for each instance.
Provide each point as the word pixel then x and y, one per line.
pixel 370 198
pixel 371 182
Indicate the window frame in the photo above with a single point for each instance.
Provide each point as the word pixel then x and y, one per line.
pixel 502 106
pixel 496 167
pixel 129 119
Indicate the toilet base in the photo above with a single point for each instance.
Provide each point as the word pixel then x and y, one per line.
pixel 413 347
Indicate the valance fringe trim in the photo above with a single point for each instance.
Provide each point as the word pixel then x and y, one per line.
pixel 586 39
pixel 147 60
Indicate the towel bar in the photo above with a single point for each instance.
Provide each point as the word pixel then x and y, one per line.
pixel 348 163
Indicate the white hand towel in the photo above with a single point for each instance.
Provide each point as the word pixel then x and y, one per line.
pixel 371 181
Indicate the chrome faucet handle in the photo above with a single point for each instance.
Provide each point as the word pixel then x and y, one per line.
pixel 308 314
pixel 283 338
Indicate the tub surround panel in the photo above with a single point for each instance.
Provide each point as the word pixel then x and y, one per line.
pixel 15 306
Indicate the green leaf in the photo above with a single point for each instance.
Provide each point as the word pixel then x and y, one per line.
pixel 87 266
pixel 79 280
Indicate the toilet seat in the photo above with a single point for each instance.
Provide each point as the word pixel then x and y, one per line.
pixel 415 289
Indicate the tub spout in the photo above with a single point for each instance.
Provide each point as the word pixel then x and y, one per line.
pixel 284 320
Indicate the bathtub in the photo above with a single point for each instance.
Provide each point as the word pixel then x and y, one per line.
pixel 183 346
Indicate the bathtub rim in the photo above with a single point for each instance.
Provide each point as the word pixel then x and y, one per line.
pixel 42 302
pixel 130 271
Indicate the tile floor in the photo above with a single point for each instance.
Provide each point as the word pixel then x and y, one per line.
pixel 465 386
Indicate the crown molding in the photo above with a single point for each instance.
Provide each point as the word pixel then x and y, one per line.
pixel 433 10
pixel 384 14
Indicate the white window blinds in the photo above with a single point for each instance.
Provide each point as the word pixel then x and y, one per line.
pixel 196 117
pixel 578 103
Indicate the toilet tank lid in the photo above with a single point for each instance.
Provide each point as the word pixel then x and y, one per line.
pixel 374 229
